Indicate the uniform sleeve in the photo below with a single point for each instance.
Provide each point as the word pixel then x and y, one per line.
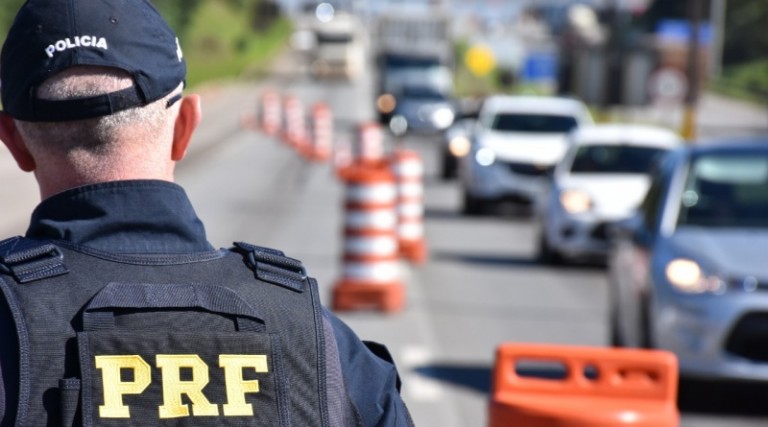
pixel 8 365
pixel 370 379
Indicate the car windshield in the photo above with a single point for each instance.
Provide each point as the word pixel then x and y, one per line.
pixel 427 93
pixel 614 159
pixel 334 38
pixel 539 123
pixel 726 191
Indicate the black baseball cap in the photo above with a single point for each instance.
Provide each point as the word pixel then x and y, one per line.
pixel 50 36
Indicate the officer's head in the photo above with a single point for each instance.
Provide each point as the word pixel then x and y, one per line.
pixel 93 89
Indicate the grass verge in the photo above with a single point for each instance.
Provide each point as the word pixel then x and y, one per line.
pixel 747 82
pixel 221 43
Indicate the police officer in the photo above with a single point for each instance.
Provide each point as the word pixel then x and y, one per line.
pixel 114 307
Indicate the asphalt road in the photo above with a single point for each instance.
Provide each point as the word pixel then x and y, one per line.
pixel 480 286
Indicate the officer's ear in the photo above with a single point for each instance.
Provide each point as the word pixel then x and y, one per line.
pixel 189 117
pixel 10 136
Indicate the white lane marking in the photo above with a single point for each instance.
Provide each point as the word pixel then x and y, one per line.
pixel 416 386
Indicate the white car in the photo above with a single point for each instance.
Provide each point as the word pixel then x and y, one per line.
pixel 602 178
pixel 517 140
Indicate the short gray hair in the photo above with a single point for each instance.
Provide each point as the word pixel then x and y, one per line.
pixel 96 135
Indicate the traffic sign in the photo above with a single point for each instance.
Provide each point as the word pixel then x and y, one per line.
pixel 667 85
pixel 480 60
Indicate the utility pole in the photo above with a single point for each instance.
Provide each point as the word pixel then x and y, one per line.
pixel 717 21
pixel 688 130
pixel 612 59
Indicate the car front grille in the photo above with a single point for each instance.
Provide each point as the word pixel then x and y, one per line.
pixel 526 169
pixel 749 338
pixel 600 232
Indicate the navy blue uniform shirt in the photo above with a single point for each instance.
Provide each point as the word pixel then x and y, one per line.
pixel 156 217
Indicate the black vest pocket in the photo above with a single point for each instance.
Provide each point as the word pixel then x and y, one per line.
pixel 182 379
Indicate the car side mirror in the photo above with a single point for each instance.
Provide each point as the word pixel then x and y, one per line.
pixel 632 229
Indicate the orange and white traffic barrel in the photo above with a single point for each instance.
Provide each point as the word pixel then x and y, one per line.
pixel 371 270
pixel 270 115
pixel 295 132
pixel 409 176
pixel 322 133
pixel 368 149
pixel 343 156
pixel 543 385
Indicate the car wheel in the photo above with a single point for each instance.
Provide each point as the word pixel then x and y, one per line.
pixel 473 205
pixel 646 336
pixel 615 336
pixel 548 255
pixel 448 167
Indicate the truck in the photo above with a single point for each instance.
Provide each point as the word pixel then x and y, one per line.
pixel 340 47
pixel 411 50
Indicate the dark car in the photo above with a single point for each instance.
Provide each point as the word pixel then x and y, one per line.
pixel 426 109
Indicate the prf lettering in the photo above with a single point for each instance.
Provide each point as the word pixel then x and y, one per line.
pixel 170 366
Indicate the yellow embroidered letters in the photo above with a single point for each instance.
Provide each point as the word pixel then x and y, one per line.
pixel 174 386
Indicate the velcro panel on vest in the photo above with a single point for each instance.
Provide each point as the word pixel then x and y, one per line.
pixel 181 379
pixel 29 260
pixel 271 265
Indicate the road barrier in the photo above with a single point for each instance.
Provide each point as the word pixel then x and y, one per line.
pixel 409 175
pixel 539 385
pixel 295 132
pixel 343 156
pixel 368 150
pixel 371 271
pixel 321 133
pixel 269 113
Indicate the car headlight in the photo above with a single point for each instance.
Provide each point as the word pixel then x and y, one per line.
pixel 687 276
pixel 575 201
pixel 386 103
pixel 485 156
pixel 442 118
pixel 459 146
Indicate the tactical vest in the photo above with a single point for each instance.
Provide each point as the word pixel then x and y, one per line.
pixel 227 338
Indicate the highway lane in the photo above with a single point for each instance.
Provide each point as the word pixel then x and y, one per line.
pixel 480 286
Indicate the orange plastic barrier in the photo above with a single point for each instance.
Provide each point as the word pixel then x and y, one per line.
pixel 295 132
pixel 598 387
pixel 322 133
pixel 370 272
pixel 270 116
pixel 409 174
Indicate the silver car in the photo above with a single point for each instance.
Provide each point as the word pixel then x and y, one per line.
pixel 516 141
pixel 689 273
pixel 601 180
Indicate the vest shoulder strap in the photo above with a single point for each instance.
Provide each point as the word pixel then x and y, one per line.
pixel 28 260
pixel 271 265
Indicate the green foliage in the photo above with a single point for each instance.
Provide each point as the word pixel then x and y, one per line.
pixel 178 13
pixel 221 42
pixel 497 81
pixel 747 81
pixel 746 38
pixel 8 9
